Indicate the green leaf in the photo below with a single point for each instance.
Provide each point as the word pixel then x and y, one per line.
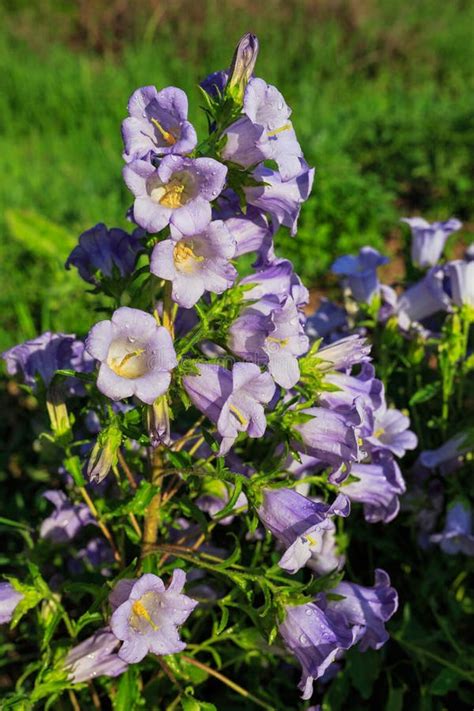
pixel 364 669
pixel 425 394
pixel 447 680
pixel 128 691
pixel 39 235
pixel 395 699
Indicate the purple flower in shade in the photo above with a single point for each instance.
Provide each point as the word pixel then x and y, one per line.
pixel 96 553
pixel 45 355
pixel 327 559
pixel 136 355
pixel 388 299
pixel 214 499
pixel 215 83
pixel 378 487
pixel 244 143
pixel 231 399
pixel 327 322
pixel 271 333
pixel 298 523
pixel 157 124
pixel 67 519
pixel 179 191
pixel 315 639
pixel 391 432
pixel 103 250
pixel 364 610
pixel 250 231
pixel 361 272
pixel 9 599
pixel 344 353
pixel 461 282
pixel 428 240
pixel 277 279
pixel 456 536
pixel 423 299
pixel 197 263
pixel 148 619
pixel 94 657
pixel 449 454
pixel 281 199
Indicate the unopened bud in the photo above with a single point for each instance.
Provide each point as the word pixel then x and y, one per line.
pixel 158 421
pixel 105 453
pixel 57 411
pixel 243 63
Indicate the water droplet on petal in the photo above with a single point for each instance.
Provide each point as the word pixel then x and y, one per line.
pixel 303 638
pixel 309 611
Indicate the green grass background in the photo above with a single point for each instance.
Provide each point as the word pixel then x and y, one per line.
pixel 382 97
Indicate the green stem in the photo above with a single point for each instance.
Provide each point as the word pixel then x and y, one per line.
pixel 442 662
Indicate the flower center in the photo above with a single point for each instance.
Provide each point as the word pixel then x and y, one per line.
pixel 184 256
pixel 173 194
pixel 126 361
pixel 238 415
pixel 167 136
pixel 141 618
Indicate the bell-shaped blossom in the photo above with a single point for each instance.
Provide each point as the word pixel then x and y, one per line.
pixel 95 656
pixel 178 192
pixel 327 557
pixel 457 536
pixel 251 231
pixel 315 639
pixel 231 399
pixel 103 250
pixel 344 353
pixel 364 610
pixel 45 355
pixel 136 355
pixel 328 322
pixel 361 272
pixel 448 455
pixel 157 124
pixel 378 487
pixel 364 387
pixel 244 143
pixel 461 282
pixel 423 299
pixel 215 83
pixel 66 520
pixel 281 199
pixel 391 432
pixel 277 279
pixel 197 263
pixel 428 240
pixel 9 599
pixel 298 523
pixel 147 620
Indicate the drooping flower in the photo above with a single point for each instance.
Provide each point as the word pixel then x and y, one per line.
pixel 423 299
pixel 147 620
pixel 364 610
pixel 457 536
pixel 103 250
pixel 298 523
pixel 461 282
pixel 391 432
pixel 428 240
pixel 344 353
pixel 277 279
pixel 363 387
pixel 179 191
pixel 95 656
pixel 327 557
pixel 66 520
pixel 361 272
pixel 328 322
pixel 316 641
pixel 231 399
pixel 196 263
pixel 448 454
pixel 9 599
pixel 136 355
pixel 157 124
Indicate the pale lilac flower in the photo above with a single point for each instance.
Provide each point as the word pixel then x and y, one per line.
pixel 457 535
pixel 364 387
pixel 391 432
pixel 9 599
pixel 428 240
pixel 66 520
pixel 344 353
pixel 244 143
pixel 148 620
pixel 277 279
pixel 231 399
pixel 423 299
pixel 95 656
pixel 328 322
pixel 327 558
pixel 378 487
pixel 178 192
pixel 136 355
pixel 251 231
pixel 461 282
pixel 197 263
pixel 361 272
pixel 157 124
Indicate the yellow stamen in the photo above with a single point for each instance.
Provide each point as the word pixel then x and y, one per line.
pixel 312 541
pixel 281 341
pixel 275 131
pixel 238 415
pixel 378 433
pixel 139 609
pixel 169 138
pixel 118 367
pixel 183 252
pixel 173 196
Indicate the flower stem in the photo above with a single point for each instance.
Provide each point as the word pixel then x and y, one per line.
pixel 152 516
pixel 101 524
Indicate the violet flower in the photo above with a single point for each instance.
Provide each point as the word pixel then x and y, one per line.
pixel 103 250
pixel 157 124
pixel 428 240
pixel 136 355
pixel 344 353
pixel 244 143
pixel 391 432
pixel 231 399
pixel 423 299
pixel 179 191
pixel 449 454
pixel 361 272
pixel 456 536
pixel 251 231
pixel 66 520
pixel 328 322
pixel 327 558
pixel 364 387
pixel 197 263
pixel 148 620
pixel 9 599
pixel 461 282
pixel 94 657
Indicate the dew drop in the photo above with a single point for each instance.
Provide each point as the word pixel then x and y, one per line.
pixel 131 340
pixel 308 611
pixel 303 638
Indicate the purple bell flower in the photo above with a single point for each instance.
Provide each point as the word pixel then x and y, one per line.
pixel 250 231
pixel 102 250
pixel 136 355
pixel 157 124
pixel 423 299
pixel 298 523
pixel 67 519
pixel 179 191
pixel 231 399
pixel 457 534
pixel 215 83
pixel 197 263
pixel 327 322
pixel 391 432
pixel 364 387
pixel 379 486
pixel 244 143
pixel 327 559
pixel 316 641
pixel 277 279
pixel 461 282
pixel 9 599
pixel 94 657
pixel 449 454
pixel 344 353
pixel 361 272
pixel 148 619
pixel 428 240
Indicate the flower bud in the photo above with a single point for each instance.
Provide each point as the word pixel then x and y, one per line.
pixel 105 453
pixel 242 66
pixel 158 422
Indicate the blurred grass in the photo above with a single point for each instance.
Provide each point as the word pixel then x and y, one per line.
pixel 383 104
